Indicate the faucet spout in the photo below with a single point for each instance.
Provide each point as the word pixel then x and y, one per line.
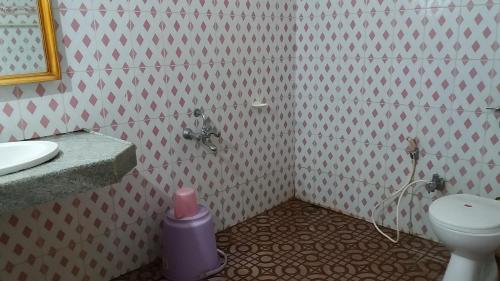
pixel 205 133
pixel 208 142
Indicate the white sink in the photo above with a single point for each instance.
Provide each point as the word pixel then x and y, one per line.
pixel 17 156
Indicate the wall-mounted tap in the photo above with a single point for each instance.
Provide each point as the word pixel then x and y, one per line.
pixel 203 135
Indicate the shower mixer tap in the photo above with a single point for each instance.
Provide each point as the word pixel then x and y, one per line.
pixel 203 135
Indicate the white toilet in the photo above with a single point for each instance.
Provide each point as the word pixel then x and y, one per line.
pixel 470 227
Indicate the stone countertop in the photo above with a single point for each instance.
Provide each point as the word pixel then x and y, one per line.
pixel 86 161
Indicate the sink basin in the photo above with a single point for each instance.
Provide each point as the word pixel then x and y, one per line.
pixel 17 156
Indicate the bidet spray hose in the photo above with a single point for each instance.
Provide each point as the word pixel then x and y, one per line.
pixel 412 149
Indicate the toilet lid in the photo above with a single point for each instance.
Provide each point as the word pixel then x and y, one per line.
pixel 467 213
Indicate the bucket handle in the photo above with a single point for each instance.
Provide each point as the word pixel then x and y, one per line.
pixel 219 268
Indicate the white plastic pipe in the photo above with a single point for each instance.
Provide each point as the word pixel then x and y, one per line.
pixel 397 194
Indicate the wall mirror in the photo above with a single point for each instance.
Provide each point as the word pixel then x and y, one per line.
pixel 28 51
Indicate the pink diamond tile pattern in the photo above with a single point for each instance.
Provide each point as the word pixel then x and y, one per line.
pixel 345 81
pixel 370 73
pixel 135 71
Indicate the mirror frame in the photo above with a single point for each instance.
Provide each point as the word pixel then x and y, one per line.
pixel 53 71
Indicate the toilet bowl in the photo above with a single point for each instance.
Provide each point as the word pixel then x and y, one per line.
pixel 469 226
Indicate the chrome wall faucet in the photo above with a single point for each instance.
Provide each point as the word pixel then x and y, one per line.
pixel 203 135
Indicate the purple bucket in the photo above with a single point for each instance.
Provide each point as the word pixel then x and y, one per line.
pixel 189 249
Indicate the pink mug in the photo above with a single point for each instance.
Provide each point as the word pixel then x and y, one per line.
pixel 185 204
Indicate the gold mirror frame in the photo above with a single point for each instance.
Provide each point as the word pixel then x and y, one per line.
pixel 50 49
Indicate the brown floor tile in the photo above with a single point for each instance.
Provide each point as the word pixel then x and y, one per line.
pixel 300 241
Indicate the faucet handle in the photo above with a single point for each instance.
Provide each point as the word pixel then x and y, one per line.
pixel 197 112
pixel 496 109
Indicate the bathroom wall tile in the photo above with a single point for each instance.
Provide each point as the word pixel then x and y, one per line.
pixel 467 135
pixel 177 38
pixel 205 86
pixel 31 270
pixel 59 225
pixel 10 114
pixel 119 102
pixel 112 5
pixel 204 35
pixel 180 91
pixel 434 130
pixel 431 88
pixel 347 195
pixel 152 98
pixel 354 25
pixel 202 7
pixel 131 243
pixel 129 200
pixel 353 78
pixel 146 37
pixel 494 98
pixel 380 34
pixel 477 38
pixel 403 122
pixel 238 36
pixel 378 77
pixel 43 115
pixel 83 101
pixel 355 6
pixel 409 4
pixel 284 33
pixel 398 169
pixel 379 6
pixel 156 143
pixel 369 197
pixel 130 132
pixel 441 33
pixel 215 203
pixel 75 32
pixel 62 5
pixel 409 32
pixel 152 6
pixel 235 208
pixel 306 46
pixel 438 79
pixel 420 220
pixel 473 85
pixel 390 215
pixel 96 213
pixel 490 182
pixel 237 83
pixel 203 174
pixel 99 256
pixel 64 264
pixel 464 176
pixel 150 68
pixel 406 82
pixel 491 150
pixel 158 189
pixel 19 238
pixel 347 158
pixel 371 164
pixel 373 125
pixel 327 154
pixel 444 3
pixel 113 39
pixel 310 185
pixel 253 149
pixel 230 7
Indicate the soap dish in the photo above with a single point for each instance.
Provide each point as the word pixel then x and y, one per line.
pixel 258 104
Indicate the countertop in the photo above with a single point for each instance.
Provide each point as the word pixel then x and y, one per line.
pixel 86 161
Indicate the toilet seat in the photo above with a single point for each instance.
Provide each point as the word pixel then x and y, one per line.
pixel 467 214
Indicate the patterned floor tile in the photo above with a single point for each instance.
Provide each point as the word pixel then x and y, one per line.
pixel 300 241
